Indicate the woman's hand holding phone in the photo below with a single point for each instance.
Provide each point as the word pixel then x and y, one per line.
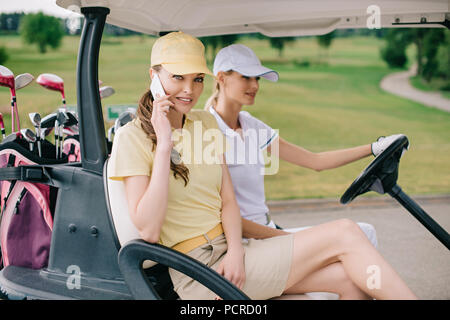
pixel 161 107
pixel 160 121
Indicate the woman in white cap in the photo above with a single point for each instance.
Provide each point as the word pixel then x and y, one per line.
pixel 238 70
pixel 191 207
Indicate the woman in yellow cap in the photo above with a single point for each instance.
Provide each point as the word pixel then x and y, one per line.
pixel 188 204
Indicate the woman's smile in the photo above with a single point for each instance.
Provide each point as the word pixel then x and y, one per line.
pixel 184 100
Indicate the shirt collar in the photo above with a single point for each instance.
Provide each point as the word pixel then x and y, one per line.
pixel 223 126
pixel 189 116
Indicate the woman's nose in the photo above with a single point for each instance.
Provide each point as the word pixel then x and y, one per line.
pixel 255 84
pixel 188 87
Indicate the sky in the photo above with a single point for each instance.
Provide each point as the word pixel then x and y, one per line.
pixel 49 7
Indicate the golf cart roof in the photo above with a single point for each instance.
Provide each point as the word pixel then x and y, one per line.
pixel 269 17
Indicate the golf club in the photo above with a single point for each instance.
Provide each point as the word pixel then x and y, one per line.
pixel 53 82
pixel 61 120
pixel 48 121
pixel 106 91
pixel 29 136
pixel 7 80
pixel 73 120
pixel 36 121
pixel 12 137
pixel 22 80
pixel 47 124
pixel 2 126
pixel 110 133
pixel 46 131
pixel 71 126
pixel 123 119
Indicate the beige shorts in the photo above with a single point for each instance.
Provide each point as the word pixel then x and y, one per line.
pixel 267 266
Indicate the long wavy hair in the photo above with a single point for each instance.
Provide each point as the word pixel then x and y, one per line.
pixel 144 114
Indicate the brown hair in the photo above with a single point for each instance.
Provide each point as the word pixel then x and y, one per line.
pixel 144 114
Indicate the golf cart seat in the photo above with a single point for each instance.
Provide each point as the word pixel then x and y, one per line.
pixel 118 206
pixel 138 259
pixel 126 231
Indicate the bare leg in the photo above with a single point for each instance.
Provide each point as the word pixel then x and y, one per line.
pixel 331 278
pixel 343 241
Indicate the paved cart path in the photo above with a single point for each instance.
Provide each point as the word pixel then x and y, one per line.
pixel 420 259
pixel 398 83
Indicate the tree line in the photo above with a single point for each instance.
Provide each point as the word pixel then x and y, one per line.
pixel 48 31
pixel 432 51
pixel 432 44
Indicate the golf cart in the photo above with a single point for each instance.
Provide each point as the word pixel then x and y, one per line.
pixel 95 251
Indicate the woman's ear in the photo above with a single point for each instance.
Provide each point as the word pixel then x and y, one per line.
pixel 150 72
pixel 220 78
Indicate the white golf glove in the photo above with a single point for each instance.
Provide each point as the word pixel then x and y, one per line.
pixel 383 142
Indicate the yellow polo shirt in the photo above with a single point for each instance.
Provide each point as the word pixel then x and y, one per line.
pixel 193 209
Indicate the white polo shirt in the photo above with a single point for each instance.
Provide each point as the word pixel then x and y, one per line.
pixel 245 162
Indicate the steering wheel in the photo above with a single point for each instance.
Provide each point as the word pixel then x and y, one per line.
pixel 381 174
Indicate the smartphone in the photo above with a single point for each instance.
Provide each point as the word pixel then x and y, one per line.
pixel 156 87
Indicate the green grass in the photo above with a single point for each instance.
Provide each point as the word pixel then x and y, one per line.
pixel 329 105
pixel 433 85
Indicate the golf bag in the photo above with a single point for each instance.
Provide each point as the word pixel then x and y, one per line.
pixel 72 150
pixel 71 147
pixel 27 207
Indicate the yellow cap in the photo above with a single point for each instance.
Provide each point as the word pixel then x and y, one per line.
pixel 179 53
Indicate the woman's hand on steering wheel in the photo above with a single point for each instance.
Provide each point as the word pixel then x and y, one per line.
pixel 383 142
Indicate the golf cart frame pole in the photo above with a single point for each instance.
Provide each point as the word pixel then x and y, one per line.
pixel 432 226
pixel 81 212
pixel 92 129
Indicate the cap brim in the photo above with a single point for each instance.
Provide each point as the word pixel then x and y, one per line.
pixel 178 68
pixel 258 71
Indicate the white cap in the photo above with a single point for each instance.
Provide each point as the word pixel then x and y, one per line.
pixel 242 59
